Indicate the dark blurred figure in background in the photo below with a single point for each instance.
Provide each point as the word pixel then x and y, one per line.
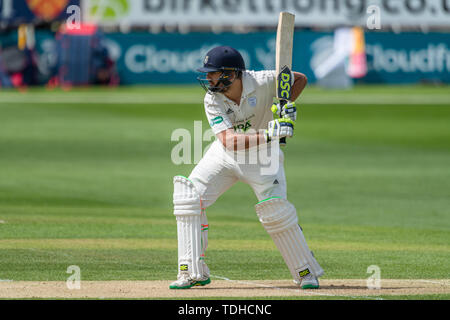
pixel 83 59
pixel 19 60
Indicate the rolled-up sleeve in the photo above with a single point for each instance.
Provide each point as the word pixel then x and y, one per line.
pixel 217 117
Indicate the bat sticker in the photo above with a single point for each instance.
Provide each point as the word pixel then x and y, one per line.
pixel 284 84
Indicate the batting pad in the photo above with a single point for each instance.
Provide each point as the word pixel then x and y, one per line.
pixel 191 225
pixel 279 218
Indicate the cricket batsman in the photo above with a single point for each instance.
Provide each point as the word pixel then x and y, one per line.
pixel 240 109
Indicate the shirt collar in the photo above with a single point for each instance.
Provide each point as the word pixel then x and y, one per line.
pixel 247 84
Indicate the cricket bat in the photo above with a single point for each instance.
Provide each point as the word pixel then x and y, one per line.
pixel 283 59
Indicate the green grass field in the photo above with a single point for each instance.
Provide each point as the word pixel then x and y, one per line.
pixel 86 179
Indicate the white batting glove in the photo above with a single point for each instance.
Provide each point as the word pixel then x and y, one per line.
pixel 289 110
pixel 279 128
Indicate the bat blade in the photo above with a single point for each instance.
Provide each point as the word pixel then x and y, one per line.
pixel 283 59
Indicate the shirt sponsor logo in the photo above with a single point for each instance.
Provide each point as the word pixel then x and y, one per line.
pixel 216 120
pixel 242 127
pixel 252 101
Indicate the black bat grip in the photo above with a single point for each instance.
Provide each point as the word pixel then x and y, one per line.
pixel 282 140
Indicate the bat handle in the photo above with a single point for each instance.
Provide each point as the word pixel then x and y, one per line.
pixel 282 140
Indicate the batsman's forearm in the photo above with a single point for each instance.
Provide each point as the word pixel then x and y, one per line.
pixel 300 82
pixel 241 141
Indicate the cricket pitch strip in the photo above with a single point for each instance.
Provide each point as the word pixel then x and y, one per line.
pixel 351 288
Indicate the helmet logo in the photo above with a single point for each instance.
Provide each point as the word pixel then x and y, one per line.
pixel 206 60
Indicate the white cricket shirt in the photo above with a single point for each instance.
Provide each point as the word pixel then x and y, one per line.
pixel 258 91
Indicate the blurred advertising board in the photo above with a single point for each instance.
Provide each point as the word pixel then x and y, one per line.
pixel 408 57
pixel 310 13
pixel 173 58
pixel 14 12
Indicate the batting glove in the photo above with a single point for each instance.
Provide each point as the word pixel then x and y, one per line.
pixel 289 111
pixel 279 128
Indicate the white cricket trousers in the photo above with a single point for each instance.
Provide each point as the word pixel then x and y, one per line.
pixel 219 169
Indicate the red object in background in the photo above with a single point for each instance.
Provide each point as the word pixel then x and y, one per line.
pixel 47 9
pixel 17 79
pixel 18 82
pixel 357 67
pixel 84 29
pixel 53 82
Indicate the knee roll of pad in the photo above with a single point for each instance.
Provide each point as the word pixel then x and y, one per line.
pixel 186 200
pixel 276 215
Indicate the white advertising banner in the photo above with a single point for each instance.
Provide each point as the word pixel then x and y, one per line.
pixel 325 13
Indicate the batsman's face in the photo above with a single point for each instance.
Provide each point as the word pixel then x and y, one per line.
pixel 213 78
pixel 216 80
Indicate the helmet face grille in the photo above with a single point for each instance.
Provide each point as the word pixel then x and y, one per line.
pixel 223 83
